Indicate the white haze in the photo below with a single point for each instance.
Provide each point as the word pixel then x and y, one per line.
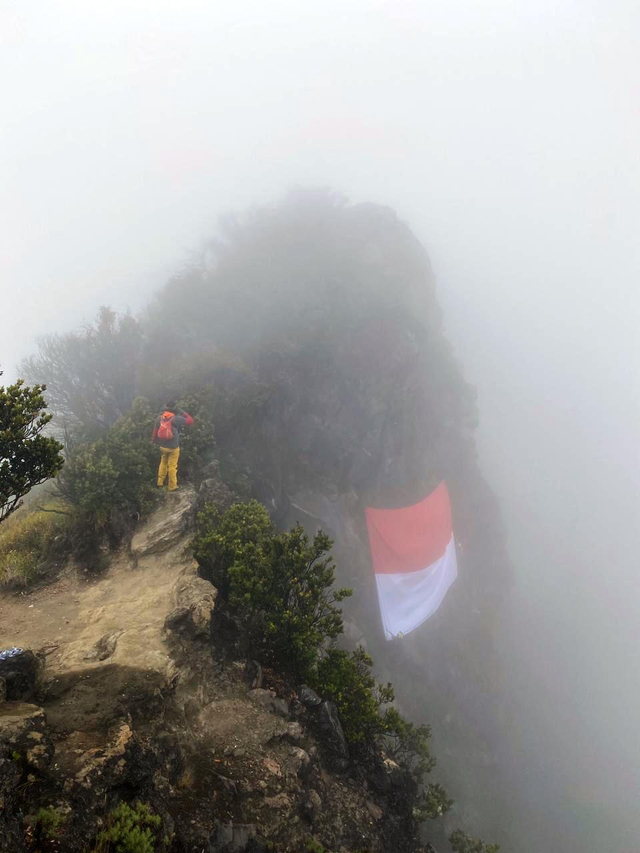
pixel 508 135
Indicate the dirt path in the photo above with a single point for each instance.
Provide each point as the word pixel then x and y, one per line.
pixel 46 618
pixel 116 619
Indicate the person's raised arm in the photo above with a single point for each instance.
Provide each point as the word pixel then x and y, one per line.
pixel 188 420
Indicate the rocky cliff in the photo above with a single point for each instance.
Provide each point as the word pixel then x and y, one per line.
pixel 131 696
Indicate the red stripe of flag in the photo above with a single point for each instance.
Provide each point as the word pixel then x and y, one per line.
pixel 413 537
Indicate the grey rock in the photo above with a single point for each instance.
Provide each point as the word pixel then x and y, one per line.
pixel 105 646
pixel 308 697
pixel 293 734
pixel 3 690
pixel 214 491
pixel 166 526
pixel 332 729
pixel 22 674
pixel 211 470
pixel 232 837
pixel 195 600
pixel 312 806
pixel 253 674
pixel 268 699
pixel 298 762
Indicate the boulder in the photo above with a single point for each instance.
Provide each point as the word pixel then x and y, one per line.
pixel 214 491
pixel 22 673
pixel 3 690
pixel 268 699
pixel 166 526
pixel 308 697
pixel 195 600
pixel 298 762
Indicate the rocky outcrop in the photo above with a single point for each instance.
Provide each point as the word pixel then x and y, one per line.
pixel 24 736
pixel 195 600
pixel 141 705
pixel 213 490
pixel 166 528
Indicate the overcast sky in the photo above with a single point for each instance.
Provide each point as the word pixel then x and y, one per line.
pixel 506 132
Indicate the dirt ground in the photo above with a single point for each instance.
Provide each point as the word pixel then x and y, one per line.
pixel 42 619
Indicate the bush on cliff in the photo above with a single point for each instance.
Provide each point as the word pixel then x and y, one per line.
pixel 346 679
pixel 130 830
pixel 282 583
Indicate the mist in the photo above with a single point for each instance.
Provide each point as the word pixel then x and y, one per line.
pixel 506 134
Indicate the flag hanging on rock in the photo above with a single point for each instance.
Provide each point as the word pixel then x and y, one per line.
pixel 414 560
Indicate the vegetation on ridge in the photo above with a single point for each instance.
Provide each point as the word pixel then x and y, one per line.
pixel 281 586
pixel 27 457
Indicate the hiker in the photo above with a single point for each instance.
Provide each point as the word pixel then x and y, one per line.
pixel 166 433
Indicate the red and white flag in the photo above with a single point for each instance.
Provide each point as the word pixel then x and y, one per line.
pixel 414 560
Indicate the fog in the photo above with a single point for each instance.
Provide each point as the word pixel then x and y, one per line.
pixel 507 135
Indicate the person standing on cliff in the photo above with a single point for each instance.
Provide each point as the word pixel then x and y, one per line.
pixel 166 434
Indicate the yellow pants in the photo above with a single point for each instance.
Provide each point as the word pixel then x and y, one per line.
pixel 169 465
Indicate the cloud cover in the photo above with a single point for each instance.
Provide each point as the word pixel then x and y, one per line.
pixel 506 133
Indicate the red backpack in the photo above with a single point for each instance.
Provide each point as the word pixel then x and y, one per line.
pixel 165 432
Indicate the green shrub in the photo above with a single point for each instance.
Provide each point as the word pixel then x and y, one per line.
pixel 407 743
pixel 130 830
pixel 49 820
pixel 432 802
pixel 281 583
pixel 108 482
pixel 347 681
pixel 222 539
pixel 463 843
pixel 117 471
pixel 28 543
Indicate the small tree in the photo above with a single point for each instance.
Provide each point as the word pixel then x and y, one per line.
pixel 27 458
pixel 91 373
pixel 346 679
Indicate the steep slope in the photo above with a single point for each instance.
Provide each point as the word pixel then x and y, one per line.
pixel 136 703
